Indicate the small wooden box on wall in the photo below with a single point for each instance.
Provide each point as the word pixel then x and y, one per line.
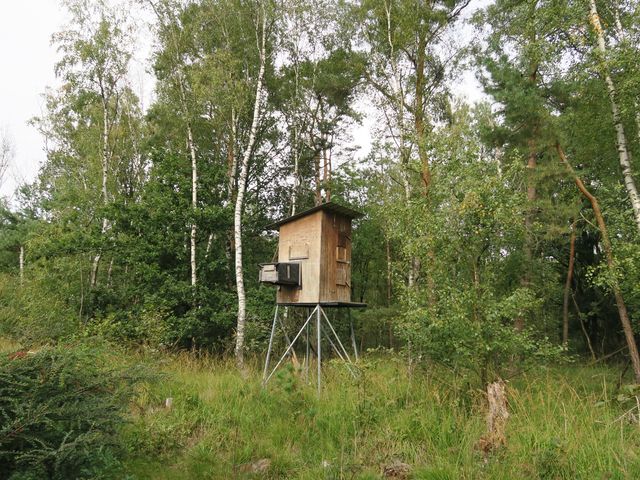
pixel 314 248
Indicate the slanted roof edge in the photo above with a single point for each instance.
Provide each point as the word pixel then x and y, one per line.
pixel 329 206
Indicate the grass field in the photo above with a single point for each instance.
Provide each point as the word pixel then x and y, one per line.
pixel 566 423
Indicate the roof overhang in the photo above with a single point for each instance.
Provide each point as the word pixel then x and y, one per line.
pixel 329 207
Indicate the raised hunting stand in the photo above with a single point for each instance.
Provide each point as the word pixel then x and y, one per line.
pixel 313 272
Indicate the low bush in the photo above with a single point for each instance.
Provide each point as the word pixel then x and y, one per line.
pixel 61 409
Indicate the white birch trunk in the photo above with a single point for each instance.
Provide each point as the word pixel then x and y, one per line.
pixel 194 203
pixel 242 184
pixel 105 193
pixel 209 245
pixel 109 271
pixel 233 167
pixel 21 265
pixel 621 138
pixel 194 172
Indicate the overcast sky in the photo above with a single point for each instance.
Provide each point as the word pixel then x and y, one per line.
pixel 27 59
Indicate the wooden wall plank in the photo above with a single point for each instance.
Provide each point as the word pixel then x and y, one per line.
pixel 324 238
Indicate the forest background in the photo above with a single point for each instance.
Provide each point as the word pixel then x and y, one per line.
pixel 497 235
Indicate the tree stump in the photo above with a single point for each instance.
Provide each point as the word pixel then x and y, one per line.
pixel 497 416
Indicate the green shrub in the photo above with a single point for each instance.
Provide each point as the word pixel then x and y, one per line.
pixel 60 411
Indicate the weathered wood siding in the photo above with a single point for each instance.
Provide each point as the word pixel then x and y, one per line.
pixel 300 241
pixel 335 266
pixel 321 243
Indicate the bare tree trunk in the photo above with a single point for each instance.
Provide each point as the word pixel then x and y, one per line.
pixel 94 270
pixel 567 287
pixel 109 272
pixel 389 272
pixel 105 173
pixel 621 138
pixel 190 143
pixel 209 245
pixel 296 172
pixel 583 328
pixel 316 163
pixel 296 129
pixel 606 242
pixel 242 185
pixel 81 294
pixel 419 120
pixel 326 173
pixel 21 260
pixel 398 106
pixel 622 37
pixel 194 202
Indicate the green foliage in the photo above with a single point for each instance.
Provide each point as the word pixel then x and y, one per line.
pixel 468 292
pixel 429 419
pixel 61 409
pixel 447 268
pixel 38 310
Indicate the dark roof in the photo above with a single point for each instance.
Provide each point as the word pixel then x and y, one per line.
pixel 329 207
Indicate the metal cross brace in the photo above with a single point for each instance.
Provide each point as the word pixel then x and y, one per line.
pixel 340 350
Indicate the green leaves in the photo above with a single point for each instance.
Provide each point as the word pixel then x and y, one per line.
pixel 61 410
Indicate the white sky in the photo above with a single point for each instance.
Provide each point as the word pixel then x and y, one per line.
pixel 27 59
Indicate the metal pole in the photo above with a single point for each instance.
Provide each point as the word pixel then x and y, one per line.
pixel 290 346
pixel 319 347
pixel 348 363
pixel 333 345
pixel 344 356
pixel 307 356
pixel 273 331
pixel 344 350
pixel 353 336
pixel 286 337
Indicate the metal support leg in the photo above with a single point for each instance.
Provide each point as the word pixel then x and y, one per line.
pixel 307 357
pixel 346 361
pixel 273 331
pixel 286 337
pixel 319 346
pixel 344 350
pixel 353 336
pixel 291 345
pixel 332 338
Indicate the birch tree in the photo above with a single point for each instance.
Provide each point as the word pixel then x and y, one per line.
pixel 624 154
pixel 96 54
pixel 173 38
pixel 261 39
pixel 409 62
pixel 606 242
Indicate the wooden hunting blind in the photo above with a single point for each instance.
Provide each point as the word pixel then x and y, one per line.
pixel 314 257
pixel 313 271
